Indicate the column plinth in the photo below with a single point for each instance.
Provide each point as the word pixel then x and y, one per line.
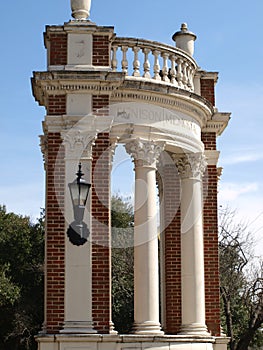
pixel 146 276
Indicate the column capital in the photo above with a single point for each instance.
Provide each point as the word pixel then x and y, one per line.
pixel 191 165
pixel 78 144
pixel 144 152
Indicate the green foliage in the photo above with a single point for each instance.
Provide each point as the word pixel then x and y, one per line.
pixel 122 264
pixel 21 280
pixel 121 213
pixel 9 292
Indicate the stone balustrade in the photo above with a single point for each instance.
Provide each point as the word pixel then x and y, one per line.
pixel 152 61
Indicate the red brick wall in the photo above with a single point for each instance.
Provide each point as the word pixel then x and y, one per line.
pixel 212 297
pixel 208 90
pixel 172 250
pixel 56 105
pixel 100 104
pixel 101 50
pixel 209 140
pixel 55 234
pixel 58 49
pixel 101 254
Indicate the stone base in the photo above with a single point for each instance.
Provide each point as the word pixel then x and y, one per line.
pixel 129 342
pixel 147 328
pixel 194 329
pixel 71 327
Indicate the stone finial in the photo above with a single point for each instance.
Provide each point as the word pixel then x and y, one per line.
pixel 80 9
pixel 184 39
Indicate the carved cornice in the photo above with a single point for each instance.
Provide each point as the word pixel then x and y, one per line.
pixel 144 153
pixel 218 123
pixel 191 165
pixel 120 90
pixel 61 82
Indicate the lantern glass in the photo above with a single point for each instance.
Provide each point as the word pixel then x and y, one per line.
pixel 79 191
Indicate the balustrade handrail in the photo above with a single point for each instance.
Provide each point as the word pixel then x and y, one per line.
pixel 178 67
pixel 131 42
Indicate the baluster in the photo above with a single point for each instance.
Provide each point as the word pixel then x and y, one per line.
pixel 179 72
pixel 190 78
pixel 188 73
pixel 184 67
pixel 156 67
pixel 173 70
pixel 136 62
pixel 124 62
pixel 165 67
pixel 114 61
pixel 146 65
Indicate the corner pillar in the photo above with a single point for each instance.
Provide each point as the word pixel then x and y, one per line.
pixel 78 266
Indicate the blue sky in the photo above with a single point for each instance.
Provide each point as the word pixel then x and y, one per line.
pixel 229 40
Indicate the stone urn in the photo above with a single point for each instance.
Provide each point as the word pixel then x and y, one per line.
pixel 80 9
pixel 184 39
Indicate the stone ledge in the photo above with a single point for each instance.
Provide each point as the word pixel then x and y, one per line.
pixel 130 342
pixel 129 338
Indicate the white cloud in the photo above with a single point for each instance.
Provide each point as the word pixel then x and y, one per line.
pixel 231 191
pixel 236 158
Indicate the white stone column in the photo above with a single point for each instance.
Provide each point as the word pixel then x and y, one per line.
pixel 78 266
pixel 191 168
pixel 146 278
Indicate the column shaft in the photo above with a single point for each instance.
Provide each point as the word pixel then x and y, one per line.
pixel 146 301
pixel 146 276
pixel 192 249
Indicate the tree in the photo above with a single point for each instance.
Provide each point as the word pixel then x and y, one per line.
pixel 21 280
pixel 241 284
pixel 122 264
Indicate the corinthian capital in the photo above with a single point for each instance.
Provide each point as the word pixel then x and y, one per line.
pixel 78 143
pixel 144 153
pixel 191 165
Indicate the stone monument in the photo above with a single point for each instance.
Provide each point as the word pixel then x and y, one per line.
pixel 100 91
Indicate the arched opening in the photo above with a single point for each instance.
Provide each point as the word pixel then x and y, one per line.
pixel 122 240
pixel 122 216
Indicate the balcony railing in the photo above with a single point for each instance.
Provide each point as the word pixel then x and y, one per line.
pixel 152 61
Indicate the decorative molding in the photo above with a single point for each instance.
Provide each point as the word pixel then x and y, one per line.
pixel 212 157
pixel 88 87
pixel 44 148
pixel 114 144
pixel 144 153
pixel 219 173
pixel 191 165
pixel 207 75
pixel 200 113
